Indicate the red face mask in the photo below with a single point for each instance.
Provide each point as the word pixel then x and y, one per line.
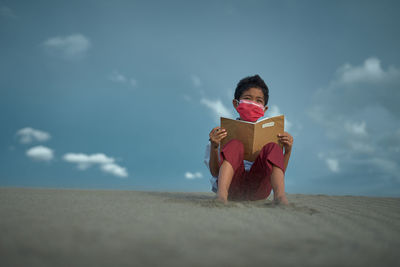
pixel 249 110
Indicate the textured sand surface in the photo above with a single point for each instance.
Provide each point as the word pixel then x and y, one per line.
pixel 56 227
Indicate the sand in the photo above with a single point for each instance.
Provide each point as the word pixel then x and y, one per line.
pixel 63 227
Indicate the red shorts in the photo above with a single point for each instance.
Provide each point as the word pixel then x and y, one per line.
pixel 254 184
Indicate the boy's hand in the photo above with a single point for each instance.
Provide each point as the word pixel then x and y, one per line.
pixel 287 140
pixel 216 135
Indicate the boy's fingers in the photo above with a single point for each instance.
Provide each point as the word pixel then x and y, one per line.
pixel 222 135
pixel 215 129
pixel 219 133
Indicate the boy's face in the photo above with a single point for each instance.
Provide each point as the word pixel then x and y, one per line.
pixel 253 94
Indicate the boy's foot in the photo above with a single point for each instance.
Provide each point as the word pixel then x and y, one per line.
pixel 281 201
pixel 222 200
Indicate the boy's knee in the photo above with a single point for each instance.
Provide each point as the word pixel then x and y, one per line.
pixel 236 145
pixel 271 146
pixel 271 149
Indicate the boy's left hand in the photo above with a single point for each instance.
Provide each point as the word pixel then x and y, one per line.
pixel 287 140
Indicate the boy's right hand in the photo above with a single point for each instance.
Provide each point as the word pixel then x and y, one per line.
pixel 216 135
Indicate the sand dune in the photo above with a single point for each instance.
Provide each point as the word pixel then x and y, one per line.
pixel 55 227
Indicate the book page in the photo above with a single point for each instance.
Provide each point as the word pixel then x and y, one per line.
pixel 266 131
pixel 241 130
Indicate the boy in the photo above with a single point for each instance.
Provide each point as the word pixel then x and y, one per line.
pixel 236 179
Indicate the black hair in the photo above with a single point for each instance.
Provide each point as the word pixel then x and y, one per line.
pixel 250 82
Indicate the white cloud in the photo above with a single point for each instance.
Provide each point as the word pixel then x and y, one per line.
pixel 356 128
pixel 217 108
pixel 40 153
pixel 107 164
pixel 28 135
pixel 85 161
pixel 71 46
pixel 360 87
pixel 196 80
pixel 370 71
pixel 273 111
pixel 114 169
pixel 333 164
pixel 191 176
pixel 118 77
pixel 360 114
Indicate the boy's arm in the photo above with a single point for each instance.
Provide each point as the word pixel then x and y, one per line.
pixel 286 157
pixel 287 140
pixel 216 135
pixel 214 161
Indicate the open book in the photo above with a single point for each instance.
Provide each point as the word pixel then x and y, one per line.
pixel 253 135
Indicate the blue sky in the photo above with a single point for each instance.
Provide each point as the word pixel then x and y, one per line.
pixel 123 94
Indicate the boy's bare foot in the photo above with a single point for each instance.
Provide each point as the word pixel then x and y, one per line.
pixel 281 200
pixel 222 196
pixel 221 199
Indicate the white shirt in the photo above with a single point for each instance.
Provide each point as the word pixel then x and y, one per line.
pixel 213 179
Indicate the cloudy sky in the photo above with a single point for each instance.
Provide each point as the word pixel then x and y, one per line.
pixel 123 94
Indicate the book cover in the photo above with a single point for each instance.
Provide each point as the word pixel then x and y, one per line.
pixel 253 135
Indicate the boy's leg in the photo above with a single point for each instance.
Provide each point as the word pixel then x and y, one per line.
pixel 231 171
pixel 278 185
pixel 225 176
pixel 267 173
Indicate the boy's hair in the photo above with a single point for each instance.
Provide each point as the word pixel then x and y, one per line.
pixel 249 82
